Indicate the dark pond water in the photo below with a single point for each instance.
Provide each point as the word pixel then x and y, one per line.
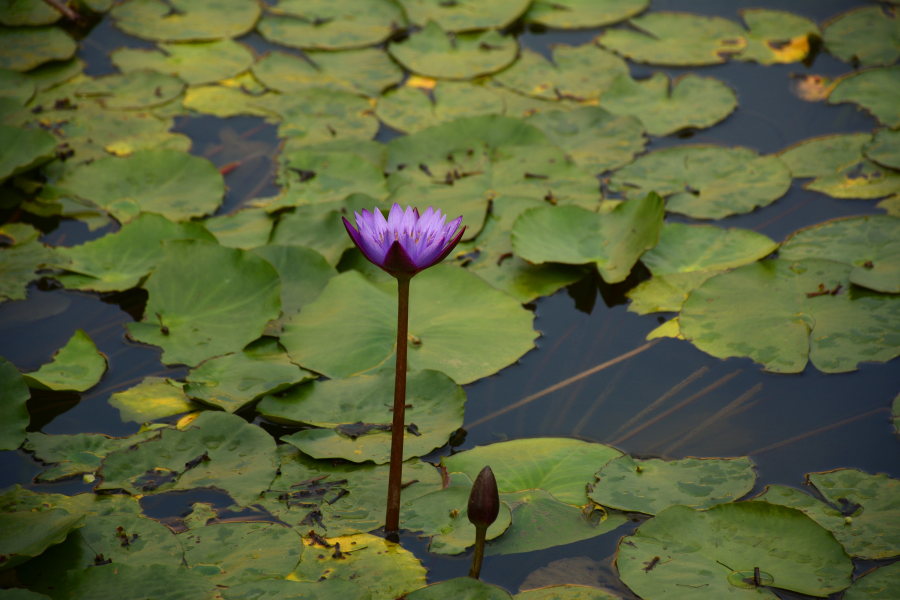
pixel 790 425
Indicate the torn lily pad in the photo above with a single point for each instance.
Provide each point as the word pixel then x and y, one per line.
pixel 367 71
pixel 24 48
pixel 777 36
pixel 77 367
pixel 783 313
pixel 436 53
pixel 26 534
pixel 882 583
pixel 884 148
pixel 649 486
pixel 275 589
pixel 874 91
pixel 870 35
pixel 461 588
pixel 410 109
pixel 245 229
pixel 186 20
pixel 613 241
pixel 23 149
pixel 464 15
pixel 14 416
pixel 303 272
pixel 582 14
pixel 153 398
pixel 686 248
pixel 706 182
pixel 195 63
pixel 132 90
pixel 76 454
pixel 331 24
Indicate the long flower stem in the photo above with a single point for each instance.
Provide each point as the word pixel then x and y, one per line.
pixel 480 534
pixel 392 519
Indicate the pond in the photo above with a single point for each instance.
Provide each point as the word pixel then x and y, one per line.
pixel 578 354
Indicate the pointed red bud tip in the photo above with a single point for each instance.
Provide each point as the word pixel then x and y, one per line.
pixel 484 500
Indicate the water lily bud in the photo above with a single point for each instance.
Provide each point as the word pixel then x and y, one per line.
pixel 484 500
pixel 848 521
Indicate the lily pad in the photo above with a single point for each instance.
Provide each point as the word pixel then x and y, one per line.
pixel 119 261
pixel 76 454
pixel 316 115
pixel 464 15
pixel 14 416
pixel 882 583
pixel 278 589
pixel 562 467
pixel 17 268
pixel 77 367
pixel 665 106
pixel 665 293
pixel 461 588
pixel 714 553
pixel 331 24
pixel 874 91
pixel 448 306
pixel 572 235
pixel 782 313
pixel 303 272
pixel 777 36
pixel 315 177
pixel 195 64
pixel 840 169
pixel 676 39
pixel 207 301
pixel 153 398
pixel 223 101
pixel 217 450
pixel 577 73
pixel 649 486
pixel 24 48
pixel 565 592
pixel 245 229
pixel 411 109
pixel 320 230
pixel 19 233
pixel 26 534
pixel 870 35
pixel 23 149
pixel 595 139
pixel 706 182
pixel 357 414
pixel 231 382
pixel 385 568
pixel 436 53
pixel 581 14
pixel 186 20
pixel 173 184
pixel 30 13
pixel 21 594
pixel 126 582
pixel 135 89
pixel 367 71
pixel 15 86
pixel 871 245
pixel 18 499
pixel 686 248
pixel 891 205
pixel 884 148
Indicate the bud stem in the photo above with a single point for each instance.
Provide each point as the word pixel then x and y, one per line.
pixel 480 534
pixel 392 519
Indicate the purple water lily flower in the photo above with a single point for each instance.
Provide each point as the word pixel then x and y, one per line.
pixel 405 243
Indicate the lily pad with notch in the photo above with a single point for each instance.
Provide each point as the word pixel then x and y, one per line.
pixel 303 272
pixel 72 455
pixel 368 71
pixel 464 15
pixel 318 227
pixel 874 90
pixel 153 398
pixel 411 109
pixel 186 20
pixel 869 35
pixel 583 14
pixel 777 36
pixel 77 367
pixel 665 293
pixel 688 248
pixel 194 63
pixel 25 48
pixel 14 417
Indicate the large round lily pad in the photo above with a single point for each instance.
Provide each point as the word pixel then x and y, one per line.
pixel 464 15
pixel 882 583
pixel 186 20
pixel 17 268
pixel 870 35
pixel 14 416
pixel 197 63
pixel 447 307
pixel 782 313
pixel 127 582
pixel 580 14
pixel 278 589
pixel 153 398
pixel 614 241
pixel 706 182
pixel 884 148
pixel 24 48
pixel 206 301
pixel 410 109
pixel 26 534
pixel 461 588
pixel 368 71
pixel 436 53
pixel 23 149
pixel 70 455
pixel 676 39
pixel 331 24
pixel 136 89
pixel 874 91
pixel 649 486
pixel 686 248
pixel 777 36
pixel 77 367
pixel 713 554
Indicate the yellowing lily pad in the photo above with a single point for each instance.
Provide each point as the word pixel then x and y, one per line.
pixel 186 20
pixel 581 14
pixel 194 63
pixel 685 248
pixel 874 91
pixel 464 15
pixel 367 71
pixel 24 48
pixel 331 24
pixel 777 36
pixel 870 35
pixel 153 398
pixel 77 366
pixel 14 416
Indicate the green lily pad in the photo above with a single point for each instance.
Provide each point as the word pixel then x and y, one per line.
pixel 136 89
pixel 777 36
pixel 316 115
pixel 540 521
pixel 613 241
pixel 18 499
pixel 23 149
pixel 195 64
pixel 367 71
pixel 119 261
pixel 714 553
pixel 465 15
pixel 385 568
pixel 575 73
pixel 871 245
pixel 665 106
pixel 14 416
pixel 76 454
pixel 665 293
pixel 24 48
pixel 222 101
pixel 186 20
pixel 884 148
pixel 331 24
pixel 52 74
pixel 891 205
pixel 26 534
pixel 233 553
pixel 245 229
pixel 448 306
pixel 706 182
pixel 21 594
pixel 207 301
pixel 874 91
pixel 696 482
pixel 17 268
pixel 320 230
pixel 676 39
pixel 303 272
pixel 882 583
pixel 565 592
pixel 173 184
pixel 77 367
pixel 436 412
pixel 461 588
pixel 16 86
pixel 869 501
pixel 436 53
pixel 581 14
pixel 19 233
pixel 443 516
pixel 234 381
pixel 30 13
pixel 520 105
pixel 686 248
pixel 241 460
pixel 315 177
pixel 782 313
pixel 278 589
pixel 840 169
pixel 562 467
pixel 595 139
pixel 870 35
pixel 153 398
pixel 127 582
pixel 411 109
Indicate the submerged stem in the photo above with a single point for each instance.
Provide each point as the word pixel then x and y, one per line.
pixel 480 534
pixel 392 519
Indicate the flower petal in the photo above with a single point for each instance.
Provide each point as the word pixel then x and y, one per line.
pixel 450 246
pixel 398 261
